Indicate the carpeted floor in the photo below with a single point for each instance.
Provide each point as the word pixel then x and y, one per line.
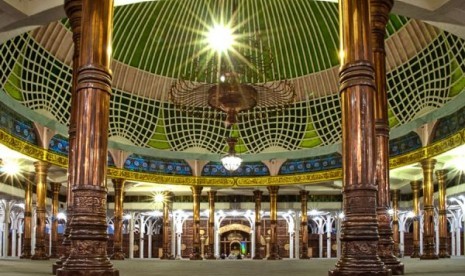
pixel 444 267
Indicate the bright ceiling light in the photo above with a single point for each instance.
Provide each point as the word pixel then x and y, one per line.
pixel 220 38
pixel 459 163
pixel 314 212
pixel 159 198
pixel 410 214
pixel 11 167
pixel 61 216
pixel 231 161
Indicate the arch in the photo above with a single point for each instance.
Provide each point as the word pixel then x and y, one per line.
pixel 234 226
pixel 312 164
pixel 141 163
pixel 448 125
pixel 407 143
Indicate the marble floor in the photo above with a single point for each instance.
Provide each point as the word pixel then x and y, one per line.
pixel 444 267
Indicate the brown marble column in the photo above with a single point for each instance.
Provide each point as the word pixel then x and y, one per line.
pixel 257 195
pixel 88 254
pixel 429 250
pixel 118 254
pixel 56 191
pixel 167 206
pixel 211 225
pixel 41 170
pixel 395 221
pixel 416 222
pixel 196 192
pixel 441 176
pixel 359 233
pixel 26 250
pixel 274 254
pixel 304 224
pixel 379 10
pixel 73 9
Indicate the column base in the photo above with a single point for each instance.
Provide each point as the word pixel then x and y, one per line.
pixel 338 272
pixel 55 267
pixel 112 272
pixel 396 269
pixel 196 257
pixel 392 263
pixel 415 254
pixel 119 256
pixel 429 257
pixel 40 257
pixel 25 256
pixel 444 255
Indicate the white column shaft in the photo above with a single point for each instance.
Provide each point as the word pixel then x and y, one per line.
pixel 131 237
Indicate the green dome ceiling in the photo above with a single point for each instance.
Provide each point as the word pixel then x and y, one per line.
pixel 156 42
pixel 163 37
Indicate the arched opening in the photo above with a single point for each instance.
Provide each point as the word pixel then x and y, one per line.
pixel 235 241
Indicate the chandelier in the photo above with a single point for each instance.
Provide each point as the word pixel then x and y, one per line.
pixel 233 81
pixel 231 161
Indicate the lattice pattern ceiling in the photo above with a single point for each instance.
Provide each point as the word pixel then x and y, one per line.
pixel 155 42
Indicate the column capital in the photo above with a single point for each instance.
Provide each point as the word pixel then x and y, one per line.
pixel 273 190
pixel 196 190
pixel 55 186
pixel 257 194
pixel 118 181
pixel 380 10
pixel 428 164
pixel 441 175
pixel 41 166
pixel 416 185
pixel 303 193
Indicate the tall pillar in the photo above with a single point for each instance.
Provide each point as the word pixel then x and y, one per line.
pixel 395 221
pixel 274 254
pixel 211 225
pixel 415 185
pixel 141 235
pixel 357 88
pixel 132 227
pixel 304 224
pixel 56 191
pixel 41 169
pixel 196 192
pixel 26 250
pixel 167 203
pixel 73 9
pixel 88 254
pixel 441 176
pixel 257 194
pixel 379 10
pixel 429 250
pixel 118 254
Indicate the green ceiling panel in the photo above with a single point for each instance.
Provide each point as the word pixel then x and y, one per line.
pixel 13 84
